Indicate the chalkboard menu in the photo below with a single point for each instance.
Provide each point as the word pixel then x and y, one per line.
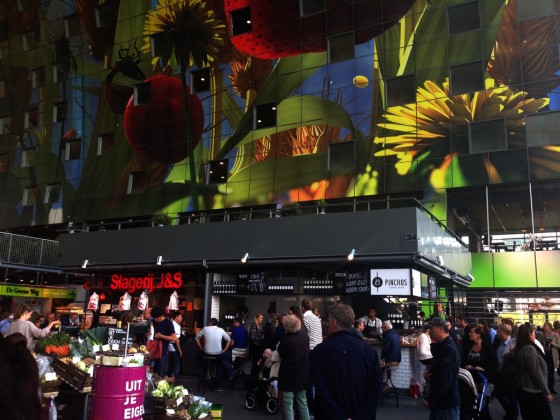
pixel 351 282
pixel 118 336
pixel 252 283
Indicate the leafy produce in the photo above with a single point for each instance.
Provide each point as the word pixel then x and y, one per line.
pixel 58 340
pixel 165 390
pixel 96 335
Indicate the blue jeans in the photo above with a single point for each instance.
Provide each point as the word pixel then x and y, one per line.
pixel 173 363
pixel 161 364
pixel 301 404
pixel 445 414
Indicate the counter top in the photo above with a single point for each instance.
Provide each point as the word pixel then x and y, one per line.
pixel 375 342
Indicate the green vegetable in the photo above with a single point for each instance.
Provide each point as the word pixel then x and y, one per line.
pixel 157 393
pixel 58 339
pixel 163 386
pixel 96 335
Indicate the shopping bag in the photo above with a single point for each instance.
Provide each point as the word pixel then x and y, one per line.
pixel 414 389
pixel 154 347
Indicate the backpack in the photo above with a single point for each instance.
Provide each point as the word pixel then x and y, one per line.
pixel 509 370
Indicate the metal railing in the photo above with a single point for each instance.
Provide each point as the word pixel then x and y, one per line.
pixel 19 250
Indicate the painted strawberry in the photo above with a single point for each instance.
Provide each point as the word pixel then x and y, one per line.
pixel 277 30
pixel 156 128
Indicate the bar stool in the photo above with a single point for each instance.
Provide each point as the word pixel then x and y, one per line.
pixel 388 385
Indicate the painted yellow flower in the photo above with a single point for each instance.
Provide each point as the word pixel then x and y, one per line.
pixel 189 21
pixel 413 131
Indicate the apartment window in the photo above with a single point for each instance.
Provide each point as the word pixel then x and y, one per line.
pixel 103 16
pixel 463 18
pixel 31 118
pixel 71 26
pixel 533 9
pixel 240 21
pixel 264 115
pixel 466 78
pixel 5 124
pixel 200 80
pixel 311 7
pixel 60 112
pixel 73 149
pixel 542 129
pixel 487 136
pixel 142 93
pixel 52 194
pixel 58 73
pixel 28 41
pixel 38 77
pixel 30 196
pixel 341 48
pixel 27 158
pixel 401 91
pixel 136 182
pixel 160 44
pixel 105 144
pixel 217 171
pixel 341 157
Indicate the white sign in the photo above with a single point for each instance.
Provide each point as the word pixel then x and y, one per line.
pixel 391 282
pixel 416 283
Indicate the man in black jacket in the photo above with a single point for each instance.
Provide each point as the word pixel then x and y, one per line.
pixel 345 371
pixel 443 400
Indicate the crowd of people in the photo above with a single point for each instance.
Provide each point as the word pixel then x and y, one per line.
pixel 517 360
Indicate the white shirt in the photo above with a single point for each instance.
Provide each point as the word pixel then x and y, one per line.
pixel 213 336
pixel 314 329
pixel 177 333
pixel 372 324
pixel 423 349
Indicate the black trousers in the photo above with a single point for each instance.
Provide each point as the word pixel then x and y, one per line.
pixel 550 367
pixel 533 405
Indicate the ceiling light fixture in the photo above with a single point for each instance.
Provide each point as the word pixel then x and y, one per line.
pixel 245 258
pixel 85 264
pixel 351 255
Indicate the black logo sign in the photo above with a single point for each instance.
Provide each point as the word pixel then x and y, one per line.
pixel 377 282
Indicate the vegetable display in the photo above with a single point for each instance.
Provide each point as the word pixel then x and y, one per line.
pixel 57 344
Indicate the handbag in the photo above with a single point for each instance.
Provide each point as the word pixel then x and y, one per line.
pixel 155 349
pixel 414 389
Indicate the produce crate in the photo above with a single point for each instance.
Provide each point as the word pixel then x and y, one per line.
pixel 50 386
pixel 162 404
pixel 216 411
pixel 76 378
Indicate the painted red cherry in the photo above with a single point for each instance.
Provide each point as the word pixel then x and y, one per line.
pixel 156 128
pixel 277 30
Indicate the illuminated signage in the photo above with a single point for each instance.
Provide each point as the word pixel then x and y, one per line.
pixel 37 292
pixel 149 282
pixel 391 282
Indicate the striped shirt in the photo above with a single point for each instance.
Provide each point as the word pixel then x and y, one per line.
pixel 314 329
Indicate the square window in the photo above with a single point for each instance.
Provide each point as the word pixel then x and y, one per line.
pixel 103 16
pixel 28 41
pixel 31 118
pixel 60 112
pixel 22 5
pixel 463 18
pixel 142 93
pixel 52 194
pixel 27 158
pixel 58 73
pixel 30 196
pixel 341 48
pixel 71 25
pixel 264 115
pixel 466 78
pixel 73 149
pixel 487 136
pixel 542 129
pixel 240 21
pixel 105 144
pixel 341 158
pixel 200 80
pixel 401 90
pixel 38 77
pixel 311 7
pixel 136 183
pixel 533 9
pixel 5 124
pixel 160 44
pixel 217 172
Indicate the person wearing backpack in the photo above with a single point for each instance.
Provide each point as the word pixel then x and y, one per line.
pixel 5 323
pixel 532 388
pixel 504 390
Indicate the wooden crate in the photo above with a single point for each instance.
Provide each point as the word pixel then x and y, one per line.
pixel 76 378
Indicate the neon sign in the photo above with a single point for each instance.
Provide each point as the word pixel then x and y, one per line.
pixel 149 283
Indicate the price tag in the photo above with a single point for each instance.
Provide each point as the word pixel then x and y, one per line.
pixel 185 392
pixel 50 376
pixel 115 347
pixel 170 411
pixel 106 347
pixel 179 400
pixel 90 371
pixel 95 348
pixel 139 358
pixel 75 359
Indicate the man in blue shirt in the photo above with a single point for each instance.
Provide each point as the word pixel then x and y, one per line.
pixel 443 401
pixel 239 347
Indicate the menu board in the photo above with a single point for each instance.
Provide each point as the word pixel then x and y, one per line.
pixel 252 283
pixel 351 282
pixel 118 336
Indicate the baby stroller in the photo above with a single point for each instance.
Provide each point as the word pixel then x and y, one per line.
pixel 262 391
pixel 474 391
